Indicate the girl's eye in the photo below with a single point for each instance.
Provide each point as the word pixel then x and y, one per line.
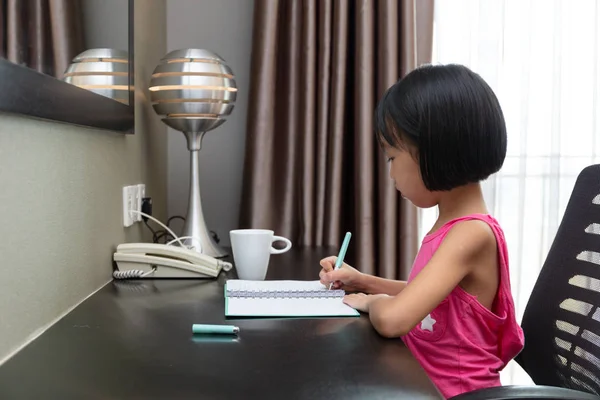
pixel 390 159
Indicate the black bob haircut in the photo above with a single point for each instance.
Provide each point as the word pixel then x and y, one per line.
pixel 450 120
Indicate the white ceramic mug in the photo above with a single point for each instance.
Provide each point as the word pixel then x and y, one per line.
pixel 252 249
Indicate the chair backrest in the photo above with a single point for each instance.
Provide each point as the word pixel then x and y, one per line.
pixel 562 318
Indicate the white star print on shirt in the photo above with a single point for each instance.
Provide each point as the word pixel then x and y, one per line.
pixel 427 323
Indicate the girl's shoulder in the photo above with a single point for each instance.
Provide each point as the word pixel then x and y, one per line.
pixel 470 235
pixel 471 225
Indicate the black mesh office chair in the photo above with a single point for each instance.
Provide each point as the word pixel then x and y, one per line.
pixel 562 318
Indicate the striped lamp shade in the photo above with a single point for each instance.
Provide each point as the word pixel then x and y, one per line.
pixel 102 71
pixel 193 89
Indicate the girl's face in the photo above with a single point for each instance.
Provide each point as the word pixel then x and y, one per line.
pixel 406 174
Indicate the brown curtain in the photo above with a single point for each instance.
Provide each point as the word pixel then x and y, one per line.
pixel 313 169
pixel 43 35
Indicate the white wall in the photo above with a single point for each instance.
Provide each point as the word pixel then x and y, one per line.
pixel 225 27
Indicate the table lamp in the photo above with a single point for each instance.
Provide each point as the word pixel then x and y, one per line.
pixel 195 91
pixel 102 71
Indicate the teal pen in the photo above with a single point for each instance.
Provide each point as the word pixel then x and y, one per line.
pixel 222 329
pixel 340 258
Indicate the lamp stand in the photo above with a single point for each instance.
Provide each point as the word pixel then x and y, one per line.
pixel 195 224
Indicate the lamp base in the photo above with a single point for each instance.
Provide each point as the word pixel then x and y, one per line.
pixel 195 228
pixel 201 239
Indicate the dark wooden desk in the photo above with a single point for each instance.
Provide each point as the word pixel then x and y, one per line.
pixel 133 340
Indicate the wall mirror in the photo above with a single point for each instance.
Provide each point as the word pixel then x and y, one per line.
pixel 69 61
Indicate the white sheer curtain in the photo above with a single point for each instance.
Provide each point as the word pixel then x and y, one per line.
pixel 541 57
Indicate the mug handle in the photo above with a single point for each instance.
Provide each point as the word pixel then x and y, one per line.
pixel 288 245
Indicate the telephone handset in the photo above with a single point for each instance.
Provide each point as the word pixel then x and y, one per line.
pixel 154 260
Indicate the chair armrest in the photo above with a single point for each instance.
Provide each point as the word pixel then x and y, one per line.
pixel 526 393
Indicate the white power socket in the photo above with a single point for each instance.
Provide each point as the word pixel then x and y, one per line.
pixel 132 201
pixel 140 193
pixel 128 205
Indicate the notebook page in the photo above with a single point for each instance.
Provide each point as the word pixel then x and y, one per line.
pixel 292 307
pixel 280 286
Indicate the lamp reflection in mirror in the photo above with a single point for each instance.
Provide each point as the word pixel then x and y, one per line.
pixel 195 90
pixel 102 71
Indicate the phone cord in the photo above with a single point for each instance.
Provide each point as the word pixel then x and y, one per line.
pixel 133 273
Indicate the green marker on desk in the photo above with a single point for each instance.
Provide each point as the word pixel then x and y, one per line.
pixel 215 329
pixel 340 258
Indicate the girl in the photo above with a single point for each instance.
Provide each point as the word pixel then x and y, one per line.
pixel 443 131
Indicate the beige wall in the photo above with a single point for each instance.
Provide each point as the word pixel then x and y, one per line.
pixel 225 27
pixel 60 199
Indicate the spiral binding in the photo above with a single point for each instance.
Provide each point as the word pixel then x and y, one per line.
pixel 280 294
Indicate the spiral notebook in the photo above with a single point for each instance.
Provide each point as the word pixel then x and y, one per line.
pixel 284 299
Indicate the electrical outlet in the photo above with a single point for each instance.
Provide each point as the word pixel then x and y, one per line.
pixel 137 204
pixel 129 203
pixel 140 193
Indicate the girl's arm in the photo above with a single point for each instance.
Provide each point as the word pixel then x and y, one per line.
pixel 352 280
pixel 463 249
pixel 374 285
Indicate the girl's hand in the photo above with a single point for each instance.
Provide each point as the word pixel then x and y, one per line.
pixel 361 301
pixel 345 278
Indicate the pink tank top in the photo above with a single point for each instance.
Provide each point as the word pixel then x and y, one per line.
pixel 461 344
